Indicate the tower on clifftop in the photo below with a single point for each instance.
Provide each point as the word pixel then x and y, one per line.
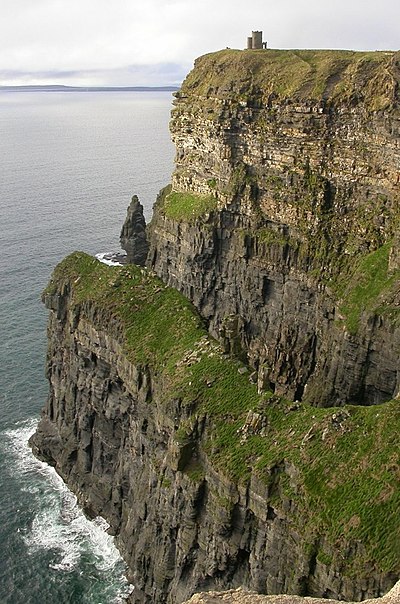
pixel 254 42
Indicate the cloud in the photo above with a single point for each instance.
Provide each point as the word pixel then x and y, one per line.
pixel 102 39
pixel 161 74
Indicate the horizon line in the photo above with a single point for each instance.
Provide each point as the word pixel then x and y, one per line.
pixel 68 88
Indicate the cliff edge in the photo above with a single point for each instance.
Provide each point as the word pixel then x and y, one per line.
pixel 238 596
pixel 240 428
pixel 281 225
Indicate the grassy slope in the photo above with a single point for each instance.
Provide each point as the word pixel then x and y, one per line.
pixel 305 74
pixel 188 206
pixel 347 460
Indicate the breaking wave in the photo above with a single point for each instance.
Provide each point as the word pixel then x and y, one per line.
pixel 73 543
pixel 112 258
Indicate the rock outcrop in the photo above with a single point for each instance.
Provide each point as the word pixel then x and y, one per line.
pixel 133 234
pixel 238 596
pixel 205 483
pixel 289 251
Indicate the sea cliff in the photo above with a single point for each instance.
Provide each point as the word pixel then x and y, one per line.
pixel 205 482
pixel 232 409
pixel 281 225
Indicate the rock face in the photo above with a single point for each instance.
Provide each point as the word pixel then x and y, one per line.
pixel 206 484
pixel 133 234
pixel 300 152
pixel 281 227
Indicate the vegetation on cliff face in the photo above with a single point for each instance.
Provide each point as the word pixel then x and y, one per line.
pixel 281 226
pixel 336 469
pixel 339 466
pixel 143 307
pixel 299 150
pixel 188 206
pixel 369 287
pixel 338 75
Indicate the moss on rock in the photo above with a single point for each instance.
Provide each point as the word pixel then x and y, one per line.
pixel 335 472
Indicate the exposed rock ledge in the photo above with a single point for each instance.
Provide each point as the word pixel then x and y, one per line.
pixel 207 484
pixel 239 596
pixel 284 196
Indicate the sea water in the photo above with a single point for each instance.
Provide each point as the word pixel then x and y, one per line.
pixel 69 164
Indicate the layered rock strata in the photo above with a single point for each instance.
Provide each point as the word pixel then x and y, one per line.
pixel 281 225
pixel 205 483
pixel 290 250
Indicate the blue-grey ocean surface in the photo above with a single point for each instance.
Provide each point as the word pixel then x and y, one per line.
pixel 69 164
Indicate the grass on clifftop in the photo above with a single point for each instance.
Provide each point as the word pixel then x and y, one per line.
pixel 316 74
pixel 157 322
pixel 340 466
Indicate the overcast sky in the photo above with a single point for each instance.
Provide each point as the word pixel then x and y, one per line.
pixel 154 42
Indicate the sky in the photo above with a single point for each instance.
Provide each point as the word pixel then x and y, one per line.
pixel 154 42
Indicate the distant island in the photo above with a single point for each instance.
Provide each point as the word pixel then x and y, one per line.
pixel 60 88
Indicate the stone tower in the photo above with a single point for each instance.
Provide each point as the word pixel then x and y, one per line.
pixel 254 42
pixel 257 40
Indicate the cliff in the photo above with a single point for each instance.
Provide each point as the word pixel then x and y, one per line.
pixel 253 444
pixel 206 483
pixel 281 224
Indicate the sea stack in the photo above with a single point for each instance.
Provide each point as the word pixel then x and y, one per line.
pixel 133 234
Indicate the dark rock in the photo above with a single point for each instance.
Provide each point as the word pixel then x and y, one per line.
pixel 301 184
pixel 109 429
pixel 133 235
pixel 303 193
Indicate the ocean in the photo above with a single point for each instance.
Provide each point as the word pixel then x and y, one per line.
pixel 69 164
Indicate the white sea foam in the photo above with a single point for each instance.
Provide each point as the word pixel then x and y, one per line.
pixel 59 525
pixel 110 258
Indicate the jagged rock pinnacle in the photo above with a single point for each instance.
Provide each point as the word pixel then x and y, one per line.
pixel 133 235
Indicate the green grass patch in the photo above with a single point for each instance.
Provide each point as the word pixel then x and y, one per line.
pixel 156 323
pixel 188 206
pixel 270 236
pixel 366 286
pixel 339 467
pixel 195 471
pixel 337 75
